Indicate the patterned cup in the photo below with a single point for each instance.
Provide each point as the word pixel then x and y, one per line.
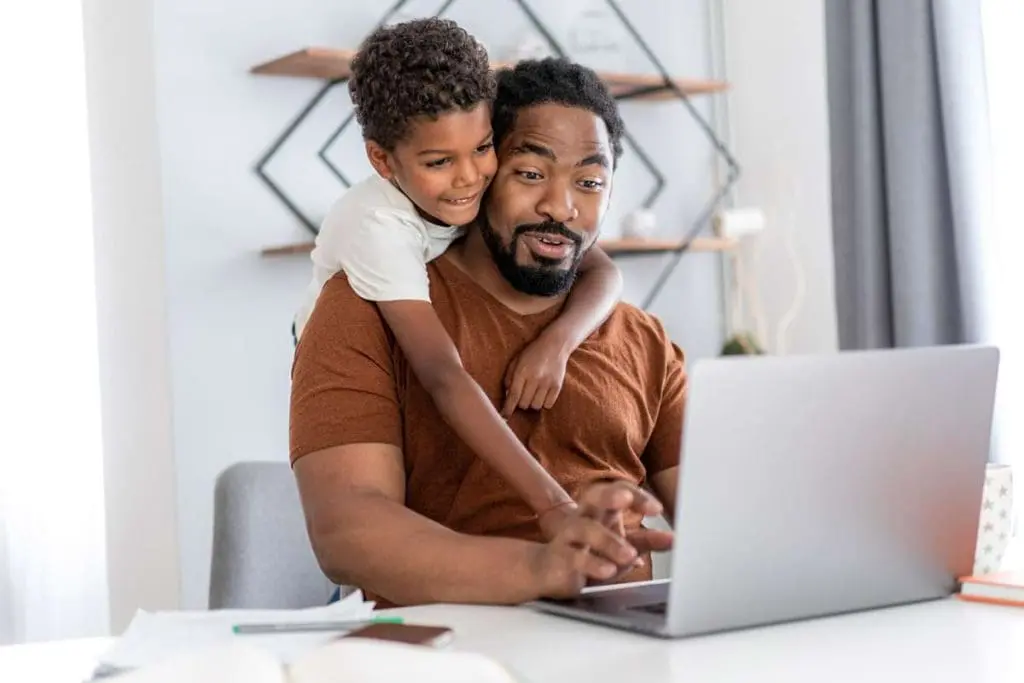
pixel 996 525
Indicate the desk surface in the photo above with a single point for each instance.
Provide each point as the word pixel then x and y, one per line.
pixel 945 641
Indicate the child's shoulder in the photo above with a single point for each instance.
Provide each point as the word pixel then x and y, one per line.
pixel 372 194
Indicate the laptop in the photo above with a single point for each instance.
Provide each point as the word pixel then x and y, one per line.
pixel 814 486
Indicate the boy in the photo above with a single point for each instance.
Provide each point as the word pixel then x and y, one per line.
pixel 422 93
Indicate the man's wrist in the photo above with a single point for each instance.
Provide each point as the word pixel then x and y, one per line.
pixel 530 575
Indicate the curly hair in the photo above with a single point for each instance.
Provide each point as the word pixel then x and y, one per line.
pixel 554 80
pixel 424 67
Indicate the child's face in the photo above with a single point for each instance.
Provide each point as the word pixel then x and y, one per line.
pixel 443 165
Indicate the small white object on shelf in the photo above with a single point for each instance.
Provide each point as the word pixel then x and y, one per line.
pixel 739 223
pixel 639 224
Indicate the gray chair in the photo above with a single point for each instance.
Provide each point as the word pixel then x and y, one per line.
pixel 261 552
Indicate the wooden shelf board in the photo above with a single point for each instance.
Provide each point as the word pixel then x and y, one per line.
pixel 332 64
pixel 655 246
pixel 614 247
pixel 312 62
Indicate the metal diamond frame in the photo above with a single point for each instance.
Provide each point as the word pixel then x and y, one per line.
pixel 666 86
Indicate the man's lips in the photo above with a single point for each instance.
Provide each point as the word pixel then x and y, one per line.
pixel 549 245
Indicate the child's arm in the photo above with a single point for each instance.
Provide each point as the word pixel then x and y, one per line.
pixel 465 406
pixel 534 378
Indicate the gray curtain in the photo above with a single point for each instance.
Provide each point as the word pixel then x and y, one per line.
pixel 908 117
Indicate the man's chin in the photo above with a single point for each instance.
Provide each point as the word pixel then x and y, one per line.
pixel 547 265
pixel 538 281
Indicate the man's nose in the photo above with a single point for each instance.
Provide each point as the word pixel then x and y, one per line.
pixel 558 204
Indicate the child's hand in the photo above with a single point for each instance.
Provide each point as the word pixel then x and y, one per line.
pixel 534 378
pixel 554 521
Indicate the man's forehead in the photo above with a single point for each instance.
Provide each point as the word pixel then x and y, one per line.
pixel 561 127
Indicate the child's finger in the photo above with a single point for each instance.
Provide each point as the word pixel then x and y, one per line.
pixel 552 396
pixel 510 372
pixel 526 397
pixel 512 398
pixel 539 396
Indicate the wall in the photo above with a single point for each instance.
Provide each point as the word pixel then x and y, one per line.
pixel 230 310
pixel 139 468
pixel 778 114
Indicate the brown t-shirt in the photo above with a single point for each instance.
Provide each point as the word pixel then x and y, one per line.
pixel 619 414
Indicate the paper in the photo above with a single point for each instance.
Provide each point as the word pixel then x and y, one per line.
pixel 156 636
pixel 217 664
pixel 355 660
pixel 370 661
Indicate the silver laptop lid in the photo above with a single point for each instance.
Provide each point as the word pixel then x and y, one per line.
pixel 825 484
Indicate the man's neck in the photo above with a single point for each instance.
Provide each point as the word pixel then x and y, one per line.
pixel 472 256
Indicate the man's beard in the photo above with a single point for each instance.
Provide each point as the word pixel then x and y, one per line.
pixel 546 278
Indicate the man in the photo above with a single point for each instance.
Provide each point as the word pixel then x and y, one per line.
pixel 394 502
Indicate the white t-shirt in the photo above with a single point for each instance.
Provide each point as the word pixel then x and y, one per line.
pixel 375 235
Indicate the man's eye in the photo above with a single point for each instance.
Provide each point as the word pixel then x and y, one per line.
pixel 437 163
pixel 529 175
pixel 592 184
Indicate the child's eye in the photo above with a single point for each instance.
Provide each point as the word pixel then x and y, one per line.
pixel 591 184
pixel 484 147
pixel 437 163
pixel 529 175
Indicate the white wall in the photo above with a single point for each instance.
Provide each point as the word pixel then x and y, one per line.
pixel 778 113
pixel 139 468
pixel 230 310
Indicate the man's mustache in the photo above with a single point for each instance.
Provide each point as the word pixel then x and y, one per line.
pixel 550 228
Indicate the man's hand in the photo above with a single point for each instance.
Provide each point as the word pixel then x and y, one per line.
pixel 591 545
pixel 534 378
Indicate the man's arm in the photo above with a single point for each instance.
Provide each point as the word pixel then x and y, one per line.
pixel 363 535
pixel 664 484
pixel 664 448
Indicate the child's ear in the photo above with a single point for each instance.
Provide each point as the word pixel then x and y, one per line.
pixel 379 159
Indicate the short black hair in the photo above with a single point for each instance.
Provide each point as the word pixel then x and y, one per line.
pixel 424 67
pixel 559 81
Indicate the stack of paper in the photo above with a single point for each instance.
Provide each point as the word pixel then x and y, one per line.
pixel 153 637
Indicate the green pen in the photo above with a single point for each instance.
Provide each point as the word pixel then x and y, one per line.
pixel 313 626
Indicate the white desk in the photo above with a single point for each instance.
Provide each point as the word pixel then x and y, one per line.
pixel 946 641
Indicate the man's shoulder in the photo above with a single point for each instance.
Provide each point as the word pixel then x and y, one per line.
pixel 637 335
pixel 633 322
pixel 339 306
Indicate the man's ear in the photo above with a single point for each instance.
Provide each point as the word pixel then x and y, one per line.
pixel 379 159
